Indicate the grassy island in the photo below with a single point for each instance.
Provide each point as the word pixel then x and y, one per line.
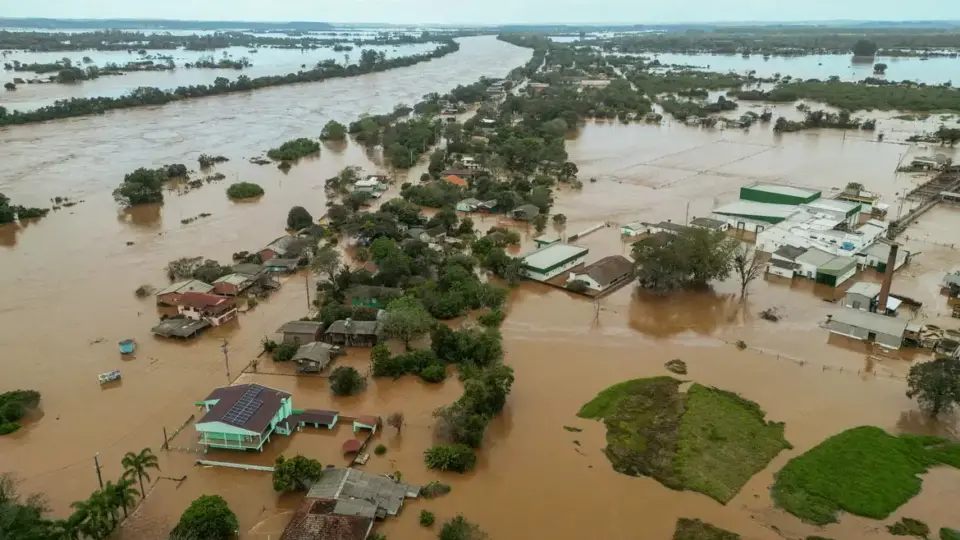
pixel 864 471
pixel 706 440
pixel 694 529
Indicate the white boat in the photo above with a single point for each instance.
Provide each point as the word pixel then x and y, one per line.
pixel 109 376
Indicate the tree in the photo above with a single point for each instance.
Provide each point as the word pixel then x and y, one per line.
pixel 96 515
pixel 450 457
pixel 406 320
pixel 333 131
pixel 298 218
pixel 864 47
pixel 10 86
pixel 142 186
pixel 326 261
pixel 459 528
pixel 22 517
pixel 540 223
pixel 346 381
pixel 395 420
pixel 138 466
pixel 935 385
pixel 748 266
pixel 209 518
pixel 559 219
pixel 123 493
pixel 244 190
pixel 569 171
pixel 879 69
pixel 296 474
pixel 690 258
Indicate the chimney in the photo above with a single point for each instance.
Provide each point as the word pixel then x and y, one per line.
pixel 887 279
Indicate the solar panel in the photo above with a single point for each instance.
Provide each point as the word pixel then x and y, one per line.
pixel 245 407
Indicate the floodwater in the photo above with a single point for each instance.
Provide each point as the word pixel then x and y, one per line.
pixel 68 284
pixel 266 61
pixel 935 70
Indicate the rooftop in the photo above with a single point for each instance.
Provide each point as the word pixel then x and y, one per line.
pixel 246 406
pixel 234 279
pixel 456 180
pixel 865 288
pixel 356 328
pixel 315 520
pixel 181 328
pixel 529 211
pixel 707 223
pixel 288 244
pixel 837 265
pixel 548 256
pixel 249 269
pixel 815 257
pixel 189 285
pixel 835 205
pixel 315 352
pixel 300 327
pixel 205 301
pixel 881 324
pixel 781 189
pixel 751 208
pixel 789 252
pixel 348 485
pixel 608 269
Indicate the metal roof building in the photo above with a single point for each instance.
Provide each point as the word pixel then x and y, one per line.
pixel 885 331
pixel 552 260
pixel 778 194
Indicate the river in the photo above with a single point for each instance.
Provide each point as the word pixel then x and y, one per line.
pixel 68 281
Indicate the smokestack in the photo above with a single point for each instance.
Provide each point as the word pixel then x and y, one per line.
pixel 887 279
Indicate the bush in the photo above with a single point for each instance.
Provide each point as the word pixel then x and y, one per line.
pixel 293 150
pixel 295 474
pixel 333 131
pixel 284 352
pixel 207 517
pixel 459 528
pixel 244 190
pixel 269 345
pixel 9 427
pixel 427 518
pixel 492 319
pixel 434 373
pixel 450 457
pixel 909 527
pixel 345 381
pixel 434 489
pixel 380 450
pixel 298 218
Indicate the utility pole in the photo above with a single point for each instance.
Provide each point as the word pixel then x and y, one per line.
pixel 686 217
pixel 306 285
pixel 96 465
pixel 226 359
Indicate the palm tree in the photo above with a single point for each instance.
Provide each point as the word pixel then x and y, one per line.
pixel 95 516
pixel 123 493
pixel 137 465
pixel 70 528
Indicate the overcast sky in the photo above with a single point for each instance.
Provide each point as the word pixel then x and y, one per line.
pixel 488 11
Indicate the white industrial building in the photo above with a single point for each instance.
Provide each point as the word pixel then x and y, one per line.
pixel 547 262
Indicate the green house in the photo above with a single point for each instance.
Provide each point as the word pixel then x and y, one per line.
pixel 777 194
pixel 243 417
pixel 372 296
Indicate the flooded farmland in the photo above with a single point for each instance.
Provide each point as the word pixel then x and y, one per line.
pixel 68 283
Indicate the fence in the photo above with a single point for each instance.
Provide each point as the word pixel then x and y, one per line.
pixel 228 464
pixel 166 439
pixel 829 368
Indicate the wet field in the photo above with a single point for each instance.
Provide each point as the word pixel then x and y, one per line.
pixel 68 283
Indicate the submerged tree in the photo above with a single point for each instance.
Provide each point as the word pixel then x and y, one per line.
pixel 209 518
pixel 935 385
pixel 295 474
pixel 333 131
pixel 406 320
pixel 138 466
pixel 299 218
pixel 748 265
pixel 690 258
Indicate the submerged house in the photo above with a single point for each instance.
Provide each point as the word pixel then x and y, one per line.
pixel 885 331
pixel 352 333
pixel 232 284
pixel 243 417
pixel 604 274
pixel 301 332
pixel 526 212
pixel 783 261
pixel 170 295
pixel 313 357
pixel 372 296
pixel 285 247
pixel 211 308
pixel 552 260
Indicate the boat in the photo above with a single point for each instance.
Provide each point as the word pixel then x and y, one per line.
pixel 109 376
pixel 127 346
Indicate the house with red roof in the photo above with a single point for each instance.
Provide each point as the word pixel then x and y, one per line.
pixel 214 309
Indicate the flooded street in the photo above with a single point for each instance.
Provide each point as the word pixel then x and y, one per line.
pixel 68 283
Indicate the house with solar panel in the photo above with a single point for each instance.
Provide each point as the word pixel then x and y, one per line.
pixel 243 417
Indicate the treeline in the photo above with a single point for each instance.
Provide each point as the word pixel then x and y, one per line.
pixel 822 119
pixel 12 212
pixel 143 96
pixel 861 96
pixel 117 40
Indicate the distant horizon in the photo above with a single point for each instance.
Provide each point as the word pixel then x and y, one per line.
pixel 11 22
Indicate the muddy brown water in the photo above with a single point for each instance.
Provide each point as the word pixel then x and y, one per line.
pixel 68 284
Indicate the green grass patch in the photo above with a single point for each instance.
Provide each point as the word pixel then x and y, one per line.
pixel 864 471
pixel 706 440
pixel 694 529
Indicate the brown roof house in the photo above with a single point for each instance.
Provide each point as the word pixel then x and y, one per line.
pixel 604 274
pixel 242 417
pixel 212 308
pixel 301 332
pixel 351 333
pixel 316 520
pixel 170 295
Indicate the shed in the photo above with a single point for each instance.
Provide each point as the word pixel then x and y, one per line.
pixel 353 333
pixel 468 205
pixel 881 329
pixel 312 417
pixel 525 212
pixel 351 446
pixel 300 332
pixel 877 254
pixel 866 297
pixel 782 268
pixel 366 422
pixel 634 228
pixel 708 223
pixel 180 327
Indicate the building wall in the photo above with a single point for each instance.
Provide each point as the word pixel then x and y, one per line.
pixel 753 225
pixel 545 276
pixel 226 289
pixel 808 271
pixel 299 338
pixel 267 254
pixel 748 193
pixel 777 271
pixel 591 283
pixel 886 340
pixel 857 301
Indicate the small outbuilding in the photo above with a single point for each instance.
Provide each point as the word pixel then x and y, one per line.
pixel 880 329
pixel 313 357
pixel 865 296
pixel 604 274
pixel 368 422
pixel 301 332
pixel 526 212
pixel 350 333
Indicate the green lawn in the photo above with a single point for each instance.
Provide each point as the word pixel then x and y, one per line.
pixel 864 471
pixel 694 529
pixel 724 441
pixel 706 440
